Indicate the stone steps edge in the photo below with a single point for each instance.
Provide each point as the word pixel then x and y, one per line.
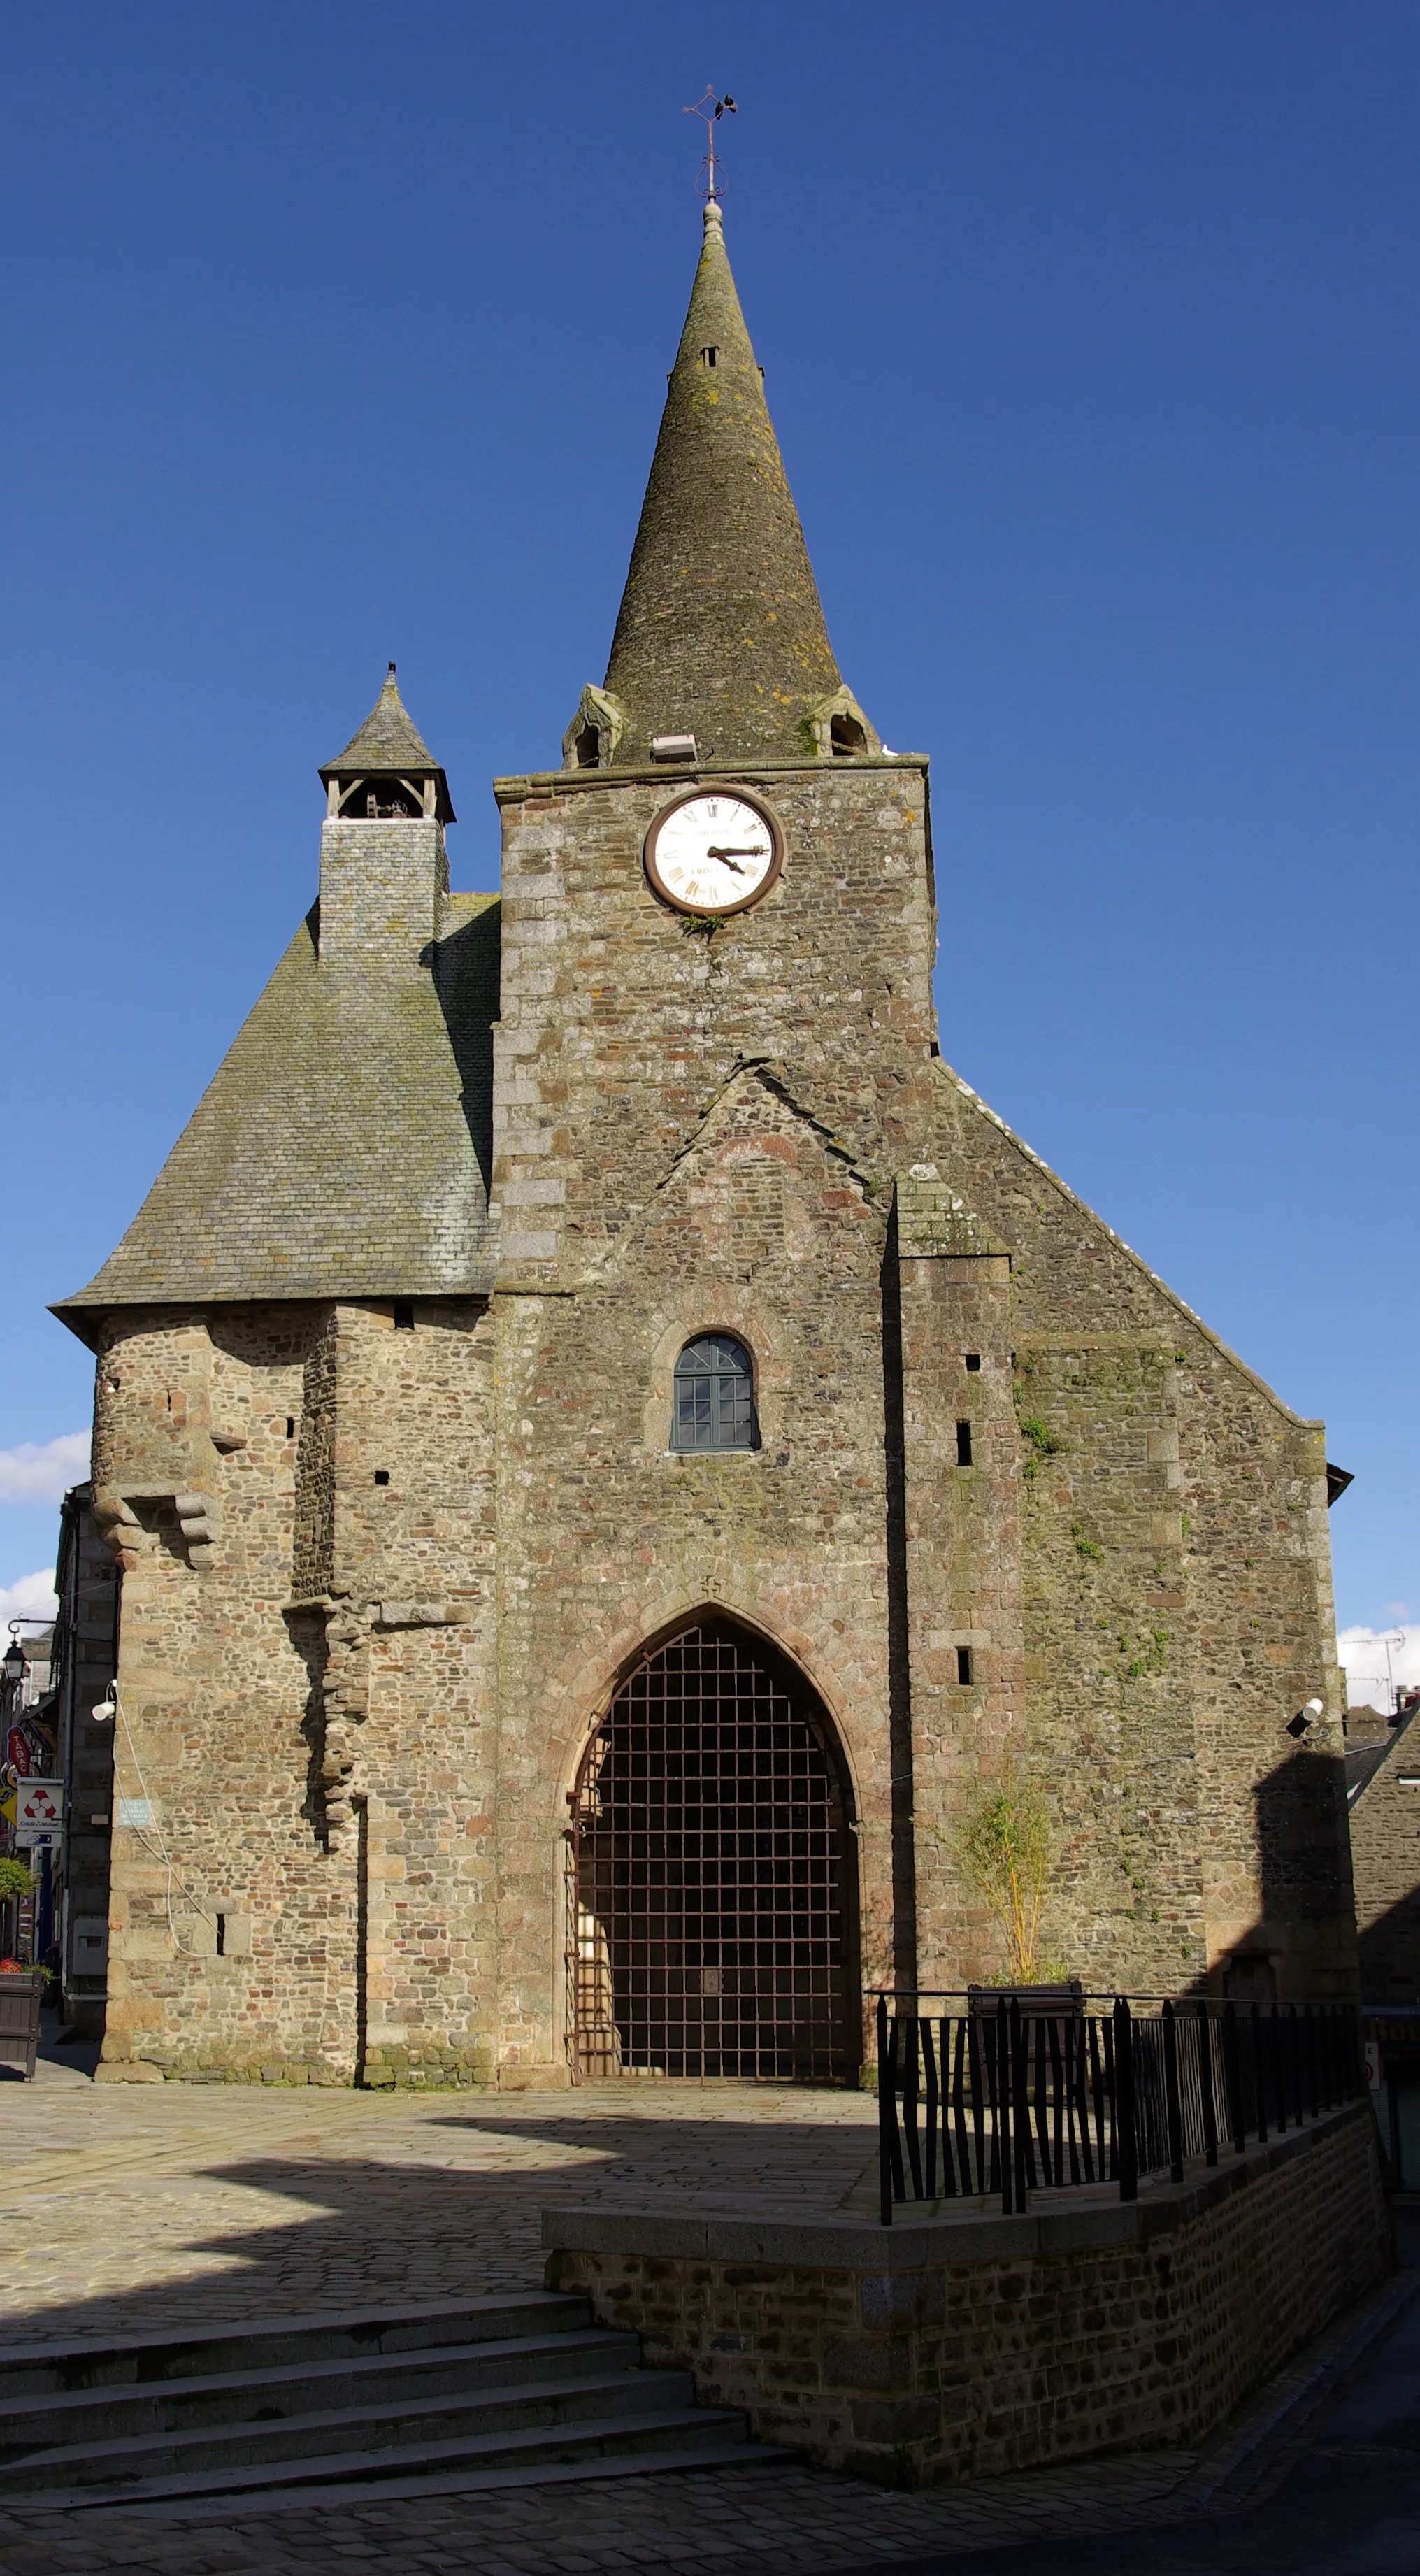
pixel 369 2470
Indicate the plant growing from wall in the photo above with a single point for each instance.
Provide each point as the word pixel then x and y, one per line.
pixel 1004 1850
pixel 15 1880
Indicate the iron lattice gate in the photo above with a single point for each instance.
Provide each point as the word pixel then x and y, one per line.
pixel 711 1930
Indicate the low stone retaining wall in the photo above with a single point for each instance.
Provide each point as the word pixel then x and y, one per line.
pixel 958 2346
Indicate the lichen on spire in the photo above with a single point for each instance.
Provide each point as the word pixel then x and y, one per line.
pixel 721 633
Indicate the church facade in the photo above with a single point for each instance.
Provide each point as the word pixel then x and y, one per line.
pixel 610 1442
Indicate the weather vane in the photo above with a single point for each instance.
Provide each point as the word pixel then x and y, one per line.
pixel 710 109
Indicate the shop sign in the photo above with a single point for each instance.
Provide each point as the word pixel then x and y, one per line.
pixel 17 1751
pixel 1374 2077
pixel 39 1802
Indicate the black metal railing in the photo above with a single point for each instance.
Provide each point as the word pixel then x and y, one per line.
pixel 1005 2098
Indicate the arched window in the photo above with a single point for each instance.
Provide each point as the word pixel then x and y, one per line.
pixel 714 1396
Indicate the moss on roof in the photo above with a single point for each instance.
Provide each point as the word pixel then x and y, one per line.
pixel 343 1146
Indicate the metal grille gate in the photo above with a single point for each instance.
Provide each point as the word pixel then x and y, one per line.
pixel 713 1878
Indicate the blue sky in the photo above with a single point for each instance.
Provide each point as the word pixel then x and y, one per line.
pixel 339 332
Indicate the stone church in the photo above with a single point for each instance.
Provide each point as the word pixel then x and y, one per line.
pixel 609 1440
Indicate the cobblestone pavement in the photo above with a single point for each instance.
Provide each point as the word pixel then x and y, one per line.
pixel 163 2204
pixel 143 2207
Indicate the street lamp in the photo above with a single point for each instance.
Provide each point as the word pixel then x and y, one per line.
pixel 13 1667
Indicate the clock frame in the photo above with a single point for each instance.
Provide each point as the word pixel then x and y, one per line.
pixel 693 795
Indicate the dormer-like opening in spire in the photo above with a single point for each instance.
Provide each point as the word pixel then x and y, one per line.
pixel 710 356
pixel 837 729
pixel 594 732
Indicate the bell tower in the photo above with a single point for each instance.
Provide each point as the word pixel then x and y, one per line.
pixel 623 1008
pixel 384 869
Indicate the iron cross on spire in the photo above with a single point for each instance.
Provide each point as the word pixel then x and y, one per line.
pixel 710 109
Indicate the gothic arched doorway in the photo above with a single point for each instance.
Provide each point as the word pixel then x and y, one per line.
pixel 712 1908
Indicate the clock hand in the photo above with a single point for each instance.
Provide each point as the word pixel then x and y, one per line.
pixel 725 860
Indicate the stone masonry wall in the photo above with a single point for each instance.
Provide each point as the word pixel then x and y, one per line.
pixel 316 1763
pixel 381 1583
pixel 965 2348
pixel 691 1125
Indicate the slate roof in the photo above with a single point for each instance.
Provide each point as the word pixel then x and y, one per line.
pixel 720 632
pixel 389 744
pixel 1364 1761
pixel 342 1148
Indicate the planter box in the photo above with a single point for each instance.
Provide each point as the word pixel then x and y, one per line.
pixel 20 1999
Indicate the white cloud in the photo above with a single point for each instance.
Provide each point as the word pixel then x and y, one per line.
pixel 40 1470
pixel 32 1597
pixel 1368 1675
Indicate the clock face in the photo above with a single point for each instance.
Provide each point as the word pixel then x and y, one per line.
pixel 713 852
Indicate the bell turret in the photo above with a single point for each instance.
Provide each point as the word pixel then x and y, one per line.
pixel 386 772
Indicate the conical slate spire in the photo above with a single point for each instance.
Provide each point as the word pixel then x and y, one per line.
pixel 720 633
pixel 387 741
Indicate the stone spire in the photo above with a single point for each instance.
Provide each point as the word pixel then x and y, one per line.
pixel 721 634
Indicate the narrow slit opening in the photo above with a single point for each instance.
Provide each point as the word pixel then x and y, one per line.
pixel 964 1666
pixel 963 1444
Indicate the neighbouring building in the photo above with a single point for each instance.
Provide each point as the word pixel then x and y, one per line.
pixel 1383 1797
pixel 26 1727
pixel 85 1659
pixel 609 1440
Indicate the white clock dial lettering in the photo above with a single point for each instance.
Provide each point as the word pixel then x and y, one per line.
pixel 713 854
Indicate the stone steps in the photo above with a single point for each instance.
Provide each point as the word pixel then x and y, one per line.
pixel 506 2391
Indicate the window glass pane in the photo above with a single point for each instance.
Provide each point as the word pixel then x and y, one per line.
pixel 736 1412
pixel 714 1395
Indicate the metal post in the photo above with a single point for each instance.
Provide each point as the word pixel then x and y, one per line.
pixel 1020 2068
pixel 1173 2103
pixel 1205 2085
pixel 909 2108
pixel 1125 2134
pixel 1232 2077
pixel 1003 2108
pixel 929 2071
pixel 1259 2075
pixel 886 2118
